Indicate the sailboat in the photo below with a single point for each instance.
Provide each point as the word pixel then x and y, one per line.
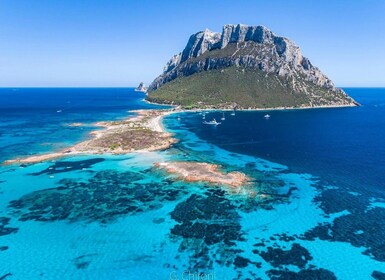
pixel 223 117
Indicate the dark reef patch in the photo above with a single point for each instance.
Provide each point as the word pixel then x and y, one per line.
pixel 5 276
pixel 158 220
pixel 4 230
pixel 7 170
pixel 378 275
pixel 274 190
pixel 104 197
pixel 285 237
pixel 306 274
pixel 66 166
pixel 209 227
pixel 361 229
pixel 336 200
pixel 278 257
pixel 83 262
pixel 211 218
pixel 4 248
pixel 362 226
pixel 241 262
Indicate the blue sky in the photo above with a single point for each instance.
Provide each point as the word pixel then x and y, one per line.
pixel 120 43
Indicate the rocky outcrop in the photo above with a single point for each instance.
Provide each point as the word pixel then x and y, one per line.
pixel 254 47
pixel 142 87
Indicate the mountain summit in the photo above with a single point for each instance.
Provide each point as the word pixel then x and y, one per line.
pixel 244 67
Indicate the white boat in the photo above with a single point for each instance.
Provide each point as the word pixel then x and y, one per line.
pixel 223 117
pixel 58 111
pixel 267 116
pixel 213 122
pixel 233 113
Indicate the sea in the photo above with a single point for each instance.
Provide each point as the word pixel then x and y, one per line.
pixel 318 176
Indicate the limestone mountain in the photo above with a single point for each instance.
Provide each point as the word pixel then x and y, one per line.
pixel 244 67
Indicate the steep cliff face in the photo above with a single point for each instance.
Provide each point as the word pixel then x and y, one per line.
pixel 255 48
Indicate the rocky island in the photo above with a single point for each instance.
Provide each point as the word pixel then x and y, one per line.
pixel 234 182
pixel 141 87
pixel 204 172
pixel 244 67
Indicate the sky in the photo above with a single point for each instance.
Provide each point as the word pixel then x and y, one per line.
pixel 92 43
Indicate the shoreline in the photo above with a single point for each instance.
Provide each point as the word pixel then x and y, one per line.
pixel 256 109
pixel 143 132
pixel 150 119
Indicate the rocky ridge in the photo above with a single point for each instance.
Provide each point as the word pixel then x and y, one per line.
pixel 251 47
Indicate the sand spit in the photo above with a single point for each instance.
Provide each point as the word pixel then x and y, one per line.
pixel 141 133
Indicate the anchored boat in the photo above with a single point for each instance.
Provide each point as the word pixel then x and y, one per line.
pixel 213 122
pixel 223 117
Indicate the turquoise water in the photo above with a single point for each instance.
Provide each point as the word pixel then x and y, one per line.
pixel 35 120
pixel 116 217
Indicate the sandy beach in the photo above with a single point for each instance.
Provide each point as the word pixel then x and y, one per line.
pixel 144 132
pixel 141 133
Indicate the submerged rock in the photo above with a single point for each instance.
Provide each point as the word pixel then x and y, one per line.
pixel 297 256
pixel 4 229
pixel 102 198
pixel 208 226
pixel 306 274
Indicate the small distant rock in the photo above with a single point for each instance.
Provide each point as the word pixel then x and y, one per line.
pixel 142 87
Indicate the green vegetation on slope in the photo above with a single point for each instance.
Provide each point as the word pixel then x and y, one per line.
pixel 236 87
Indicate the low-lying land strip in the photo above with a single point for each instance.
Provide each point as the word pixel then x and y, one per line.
pixel 206 172
pixel 144 132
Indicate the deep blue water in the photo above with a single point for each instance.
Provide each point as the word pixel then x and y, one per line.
pixel 317 209
pixel 344 146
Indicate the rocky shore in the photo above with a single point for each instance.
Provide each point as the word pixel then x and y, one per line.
pixel 206 172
